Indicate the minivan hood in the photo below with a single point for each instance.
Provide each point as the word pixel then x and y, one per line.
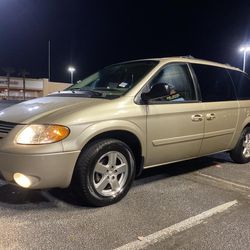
pixel 30 111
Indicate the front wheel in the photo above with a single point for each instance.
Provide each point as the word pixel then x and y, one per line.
pixel 241 152
pixel 104 172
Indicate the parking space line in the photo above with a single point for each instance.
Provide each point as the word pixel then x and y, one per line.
pixel 223 180
pixel 176 228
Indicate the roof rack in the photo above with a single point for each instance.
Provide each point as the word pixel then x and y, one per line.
pixel 191 57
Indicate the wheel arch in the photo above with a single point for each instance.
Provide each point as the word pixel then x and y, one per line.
pixel 127 137
pixel 239 129
pixel 127 132
pixel 247 125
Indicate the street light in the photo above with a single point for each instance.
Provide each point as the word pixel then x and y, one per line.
pixel 71 70
pixel 244 49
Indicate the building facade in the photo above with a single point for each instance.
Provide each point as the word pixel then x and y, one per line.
pixel 17 88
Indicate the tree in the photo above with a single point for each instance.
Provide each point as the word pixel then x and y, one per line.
pixel 8 71
pixel 23 73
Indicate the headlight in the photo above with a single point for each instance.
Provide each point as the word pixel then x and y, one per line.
pixel 42 134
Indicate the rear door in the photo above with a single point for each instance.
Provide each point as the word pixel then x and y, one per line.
pixel 220 107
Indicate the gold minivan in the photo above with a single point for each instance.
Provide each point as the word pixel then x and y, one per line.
pixel 100 133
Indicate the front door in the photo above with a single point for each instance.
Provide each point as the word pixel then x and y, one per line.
pixel 175 123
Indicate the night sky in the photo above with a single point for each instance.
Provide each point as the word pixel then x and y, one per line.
pixel 93 34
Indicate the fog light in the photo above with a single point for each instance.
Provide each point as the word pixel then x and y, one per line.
pixel 24 181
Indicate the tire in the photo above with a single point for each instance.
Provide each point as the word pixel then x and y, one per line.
pixel 241 152
pixel 104 172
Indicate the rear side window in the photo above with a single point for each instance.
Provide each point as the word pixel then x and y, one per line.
pixel 242 84
pixel 215 83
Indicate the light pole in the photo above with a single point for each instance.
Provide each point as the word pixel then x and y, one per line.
pixel 244 49
pixel 71 70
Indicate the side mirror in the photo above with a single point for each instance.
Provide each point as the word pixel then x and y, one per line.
pixel 158 90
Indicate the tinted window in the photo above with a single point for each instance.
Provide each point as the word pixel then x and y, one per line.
pixel 215 83
pixel 242 84
pixel 178 77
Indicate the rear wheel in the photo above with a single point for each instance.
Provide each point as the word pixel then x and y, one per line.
pixel 104 172
pixel 241 152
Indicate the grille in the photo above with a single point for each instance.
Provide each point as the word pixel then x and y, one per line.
pixel 6 127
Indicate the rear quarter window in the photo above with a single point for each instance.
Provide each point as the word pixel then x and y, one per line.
pixel 242 84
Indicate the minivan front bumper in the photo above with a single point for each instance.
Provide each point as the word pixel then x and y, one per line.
pixel 49 170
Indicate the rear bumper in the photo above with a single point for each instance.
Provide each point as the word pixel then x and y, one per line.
pixel 51 170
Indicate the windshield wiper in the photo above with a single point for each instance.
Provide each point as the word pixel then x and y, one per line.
pixel 87 91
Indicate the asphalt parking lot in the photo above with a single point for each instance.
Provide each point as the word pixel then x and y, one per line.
pixel 198 204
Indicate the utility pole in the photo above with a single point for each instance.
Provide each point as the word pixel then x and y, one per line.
pixel 71 69
pixel 49 60
pixel 244 49
pixel 23 73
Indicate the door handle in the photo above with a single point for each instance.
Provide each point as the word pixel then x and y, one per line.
pixel 197 118
pixel 210 116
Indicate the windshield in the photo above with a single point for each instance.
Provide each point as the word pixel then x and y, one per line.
pixel 113 81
